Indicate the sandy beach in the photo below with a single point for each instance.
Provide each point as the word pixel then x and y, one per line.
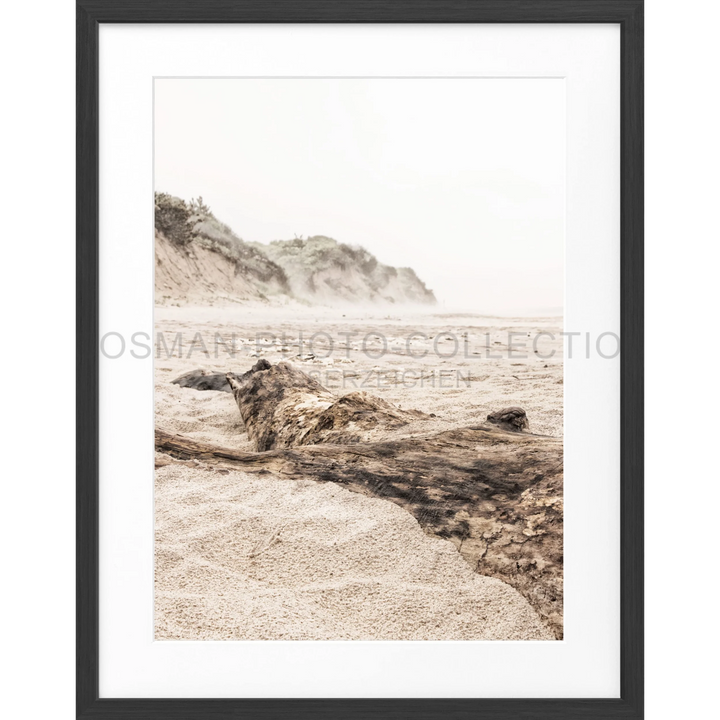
pixel 276 559
pixel 242 556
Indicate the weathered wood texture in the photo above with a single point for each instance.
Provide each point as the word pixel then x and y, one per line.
pixel 282 406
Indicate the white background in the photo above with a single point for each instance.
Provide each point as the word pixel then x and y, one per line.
pixel 586 663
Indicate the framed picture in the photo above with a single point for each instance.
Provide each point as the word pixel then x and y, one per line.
pixel 360 359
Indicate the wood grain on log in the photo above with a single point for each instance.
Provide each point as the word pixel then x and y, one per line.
pixel 282 406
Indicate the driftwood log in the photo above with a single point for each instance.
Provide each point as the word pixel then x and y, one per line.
pixel 493 490
pixel 284 407
pixel 203 380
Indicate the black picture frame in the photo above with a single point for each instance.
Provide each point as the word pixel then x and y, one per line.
pixel 629 15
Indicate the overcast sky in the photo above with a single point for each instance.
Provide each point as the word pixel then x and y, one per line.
pixel 461 179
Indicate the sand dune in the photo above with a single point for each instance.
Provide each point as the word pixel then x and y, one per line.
pixel 200 260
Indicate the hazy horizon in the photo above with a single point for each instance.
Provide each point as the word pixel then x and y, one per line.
pixel 463 180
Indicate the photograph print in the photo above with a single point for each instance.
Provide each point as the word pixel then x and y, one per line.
pixel 359 302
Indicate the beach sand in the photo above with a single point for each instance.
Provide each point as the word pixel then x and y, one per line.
pixel 242 557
